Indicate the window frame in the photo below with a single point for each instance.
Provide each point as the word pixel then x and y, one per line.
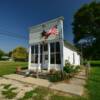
pixel 55 53
pixel 34 54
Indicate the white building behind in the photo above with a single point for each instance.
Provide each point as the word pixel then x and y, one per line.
pixel 50 51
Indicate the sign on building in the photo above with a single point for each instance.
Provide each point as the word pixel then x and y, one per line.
pixel 51 30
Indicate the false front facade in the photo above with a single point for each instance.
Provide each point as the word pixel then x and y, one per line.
pixel 47 48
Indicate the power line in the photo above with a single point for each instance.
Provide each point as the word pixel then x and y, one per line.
pixel 13 35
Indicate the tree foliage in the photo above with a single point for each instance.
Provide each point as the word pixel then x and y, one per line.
pixel 19 54
pixel 1 53
pixel 10 53
pixel 86 27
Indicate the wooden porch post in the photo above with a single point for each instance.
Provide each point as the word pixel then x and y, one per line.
pixel 29 58
pixel 62 45
pixel 39 68
pixel 48 56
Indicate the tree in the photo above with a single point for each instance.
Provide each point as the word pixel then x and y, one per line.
pixel 1 53
pixel 86 27
pixel 10 53
pixel 19 54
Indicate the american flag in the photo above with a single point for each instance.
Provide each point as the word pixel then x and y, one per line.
pixel 53 31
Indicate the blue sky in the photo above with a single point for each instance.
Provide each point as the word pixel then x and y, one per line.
pixel 16 16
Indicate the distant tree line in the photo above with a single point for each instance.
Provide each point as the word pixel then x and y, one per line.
pixel 17 54
pixel 1 53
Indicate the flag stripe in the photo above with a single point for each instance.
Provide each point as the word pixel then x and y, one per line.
pixel 53 31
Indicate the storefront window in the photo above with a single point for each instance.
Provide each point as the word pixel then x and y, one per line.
pixel 41 48
pixel 36 49
pixel 36 58
pixel 55 57
pixel 32 58
pixel 52 46
pixel 52 59
pixel 55 53
pixel 32 49
pixel 45 47
pixel 58 61
pixel 34 54
pixel 57 47
pixel 40 58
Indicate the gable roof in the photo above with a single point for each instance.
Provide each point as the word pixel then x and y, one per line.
pixel 70 45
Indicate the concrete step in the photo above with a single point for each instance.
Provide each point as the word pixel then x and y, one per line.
pixel 77 81
pixel 73 89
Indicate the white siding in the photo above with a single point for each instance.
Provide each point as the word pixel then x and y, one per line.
pixel 68 55
pixel 77 58
pixel 52 66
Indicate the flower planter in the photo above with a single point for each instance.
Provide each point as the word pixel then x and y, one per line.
pixel 18 70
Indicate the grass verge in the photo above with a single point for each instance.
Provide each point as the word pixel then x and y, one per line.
pixel 93 84
pixel 7 67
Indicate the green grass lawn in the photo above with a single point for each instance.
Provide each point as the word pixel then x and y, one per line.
pixel 92 86
pixel 95 63
pixel 7 67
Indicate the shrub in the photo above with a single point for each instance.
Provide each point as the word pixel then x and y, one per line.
pixel 52 71
pixel 65 75
pixel 69 69
pixel 58 76
pixel 67 63
pixel 68 72
pixel 84 62
pixel 77 68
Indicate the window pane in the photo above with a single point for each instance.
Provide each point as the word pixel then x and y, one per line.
pixel 57 47
pixel 32 49
pixel 45 47
pixel 32 58
pixel 58 58
pixel 40 58
pixel 52 47
pixel 46 57
pixel 52 59
pixel 41 49
pixel 36 58
pixel 36 49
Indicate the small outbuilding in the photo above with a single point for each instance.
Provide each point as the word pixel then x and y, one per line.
pixel 47 47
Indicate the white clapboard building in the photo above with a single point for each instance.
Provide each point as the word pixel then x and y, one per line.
pixel 47 48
